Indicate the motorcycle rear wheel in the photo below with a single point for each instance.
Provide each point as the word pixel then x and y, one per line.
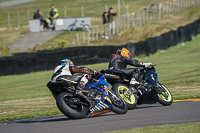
pixel 119 89
pixel 164 96
pixel 63 105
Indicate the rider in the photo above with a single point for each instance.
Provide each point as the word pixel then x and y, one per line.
pixel 65 70
pixel 121 59
pixel 53 14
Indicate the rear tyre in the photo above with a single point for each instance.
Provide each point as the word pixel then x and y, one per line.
pixel 131 100
pixel 164 96
pixel 63 103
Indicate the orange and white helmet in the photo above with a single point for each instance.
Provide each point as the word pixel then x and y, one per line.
pixel 123 52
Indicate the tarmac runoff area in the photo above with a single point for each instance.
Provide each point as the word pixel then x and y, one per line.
pixel 14 2
pixel 32 39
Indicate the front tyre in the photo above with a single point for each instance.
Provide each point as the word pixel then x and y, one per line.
pixel 164 96
pixel 119 106
pixel 119 89
pixel 71 111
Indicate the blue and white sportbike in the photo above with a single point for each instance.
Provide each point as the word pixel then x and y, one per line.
pixel 98 99
pixel 149 91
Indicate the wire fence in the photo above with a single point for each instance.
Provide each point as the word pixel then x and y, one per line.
pixel 153 12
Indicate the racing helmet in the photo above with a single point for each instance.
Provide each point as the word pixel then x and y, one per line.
pixel 66 61
pixel 123 52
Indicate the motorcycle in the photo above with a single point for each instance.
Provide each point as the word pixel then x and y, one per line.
pixel 150 91
pixel 76 107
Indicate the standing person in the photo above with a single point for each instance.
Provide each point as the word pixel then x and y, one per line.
pixel 111 14
pixel 105 20
pixel 104 16
pixel 121 59
pixel 53 14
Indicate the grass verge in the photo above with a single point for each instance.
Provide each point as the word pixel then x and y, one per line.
pixel 192 127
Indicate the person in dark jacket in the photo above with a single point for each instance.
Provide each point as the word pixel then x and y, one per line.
pixel 121 59
pixel 111 14
pixel 104 16
pixel 38 15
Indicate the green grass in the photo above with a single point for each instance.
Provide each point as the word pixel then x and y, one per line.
pixel 192 127
pixel 26 96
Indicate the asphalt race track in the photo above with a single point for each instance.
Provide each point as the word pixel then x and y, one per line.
pixel 145 115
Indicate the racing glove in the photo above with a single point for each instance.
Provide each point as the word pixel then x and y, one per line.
pixel 96 73
pixel 147 64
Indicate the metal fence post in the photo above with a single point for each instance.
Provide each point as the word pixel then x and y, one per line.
pixel 88 36
pixel 105 8
pixel 92 32
pixel 27 16
pixel 127 16
pixel 113 27
pixel 105 30
pixel 9 20
pixel 65 11
pixel 82 11
pixel 83 35
pixel 18 19
pixel 47 12
pixel 100 31
pixel 96 30
pixel 77 40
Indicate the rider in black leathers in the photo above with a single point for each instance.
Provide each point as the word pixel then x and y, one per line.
pixel 121 59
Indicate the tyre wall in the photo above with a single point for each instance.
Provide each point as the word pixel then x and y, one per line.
pixel 46 60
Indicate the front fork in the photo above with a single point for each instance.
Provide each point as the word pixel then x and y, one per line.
pixel 112 94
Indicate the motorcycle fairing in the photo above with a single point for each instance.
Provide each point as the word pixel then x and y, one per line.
pixel 104 104
pixel 152 77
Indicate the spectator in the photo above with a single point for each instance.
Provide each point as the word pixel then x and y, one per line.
pixel 38 15
pixel 105 20
pixel 104 16
pixel 111 14
pixel 53 14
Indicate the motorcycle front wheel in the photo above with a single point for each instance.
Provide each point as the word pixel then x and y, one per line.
pixel 119 106
pixel 131 100
pixel 164 96
pixel 71 111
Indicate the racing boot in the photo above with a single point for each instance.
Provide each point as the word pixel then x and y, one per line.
pixel 133 85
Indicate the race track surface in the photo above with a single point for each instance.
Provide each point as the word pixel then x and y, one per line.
pixel 143 116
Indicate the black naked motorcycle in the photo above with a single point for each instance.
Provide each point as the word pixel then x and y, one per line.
pixel 150 91
pixel 101 100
